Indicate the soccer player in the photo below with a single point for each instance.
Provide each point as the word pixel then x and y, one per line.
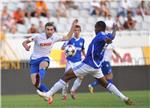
pixel 72 61
pixel 106 66
pixel 90 65
pixel 39 60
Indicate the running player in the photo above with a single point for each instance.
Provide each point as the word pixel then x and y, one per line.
pixel 78 42
pixel 39 60
pixel 90 65
pixel 106 66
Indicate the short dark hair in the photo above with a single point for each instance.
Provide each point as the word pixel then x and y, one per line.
pixel 101 25
pixel 78 26
pixel 49 24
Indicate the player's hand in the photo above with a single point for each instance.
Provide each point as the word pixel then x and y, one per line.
pixel 115 27
pixel 27 47
pixel 75 22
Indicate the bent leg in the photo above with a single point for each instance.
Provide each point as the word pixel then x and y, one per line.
pixel 109 77
pixel 112 88
pixel 76 84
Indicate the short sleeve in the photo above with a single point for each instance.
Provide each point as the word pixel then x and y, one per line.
pixel 34 37
pixel 65 44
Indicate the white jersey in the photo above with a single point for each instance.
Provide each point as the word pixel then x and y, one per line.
pixel 108 52
pixel 42 45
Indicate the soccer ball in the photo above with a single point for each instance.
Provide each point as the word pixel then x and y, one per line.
pixel 70 50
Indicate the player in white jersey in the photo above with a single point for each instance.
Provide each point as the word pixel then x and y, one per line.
pixel 39 60
pixel 106 66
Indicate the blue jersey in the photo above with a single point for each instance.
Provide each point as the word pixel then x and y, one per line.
pixel 96 50
pixel 79 45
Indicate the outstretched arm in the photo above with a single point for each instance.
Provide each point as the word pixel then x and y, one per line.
pixel 112 35
pixel 70 33
pixel 25 44
pixel 114 30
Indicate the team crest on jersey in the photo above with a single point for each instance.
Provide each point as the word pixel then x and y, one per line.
pixel 80 44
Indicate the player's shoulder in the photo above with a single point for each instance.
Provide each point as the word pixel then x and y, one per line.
pixel 82 38
pixel 39 34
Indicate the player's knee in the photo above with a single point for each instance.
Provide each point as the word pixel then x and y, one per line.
pixel 103 82
pixel 43 65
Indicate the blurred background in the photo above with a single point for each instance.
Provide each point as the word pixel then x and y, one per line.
pixel 20 18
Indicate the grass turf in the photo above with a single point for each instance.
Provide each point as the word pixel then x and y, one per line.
pixel 141 99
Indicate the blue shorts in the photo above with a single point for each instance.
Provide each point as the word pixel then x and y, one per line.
pixel 34 64
pixel 106 68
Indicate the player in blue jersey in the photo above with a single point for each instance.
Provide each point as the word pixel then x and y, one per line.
pixel 106 66
pixel 90 65
pixel 73 61
pixel 39 60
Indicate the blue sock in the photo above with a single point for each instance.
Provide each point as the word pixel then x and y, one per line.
pixel 42 73
pixel 43 88
pixel 110 81
pixel 95 83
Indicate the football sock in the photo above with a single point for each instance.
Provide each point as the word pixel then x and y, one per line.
pixel 95 83
pixel 42 73
pixel 110 81
pixel 65 89
pixel 76 84
pixel 43 88
pixel 57 86
pixel 115 91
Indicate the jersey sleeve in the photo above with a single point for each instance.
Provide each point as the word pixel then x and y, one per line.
pixel 102 37
pixel 34 37
pixel 65 44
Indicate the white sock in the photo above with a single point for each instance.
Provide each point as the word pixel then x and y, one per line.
pixel 112 88
pixel 57 86
pixel 65 89
pixel 76 84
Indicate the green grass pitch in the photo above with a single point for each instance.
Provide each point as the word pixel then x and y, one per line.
pixel 141 99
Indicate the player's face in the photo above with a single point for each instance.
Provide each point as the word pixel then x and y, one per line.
pixel 97 29
pixel 49 30
pixel 77 32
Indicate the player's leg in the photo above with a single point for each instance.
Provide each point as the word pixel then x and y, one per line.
pixel 107 72
pixel 77 82
pixel 111 87
pixel 65 88
pixel 58 85
pixel 42 71
pixel 34 74
pixel 80 70
pixel 35 78
pixel 75 86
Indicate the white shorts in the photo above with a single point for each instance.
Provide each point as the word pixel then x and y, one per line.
pixel 83 69
pixel 70 65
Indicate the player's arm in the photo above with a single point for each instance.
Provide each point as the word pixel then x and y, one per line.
pixel 112 35
pixel 83 49
pixel 83 52
pixel 27 41
pixel 70 33
pixel 64 45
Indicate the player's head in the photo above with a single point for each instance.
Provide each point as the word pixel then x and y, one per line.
pixel 77 31
pixel 49 28
pixel 100 26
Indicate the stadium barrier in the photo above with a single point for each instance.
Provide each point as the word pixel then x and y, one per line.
pixel 125 77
